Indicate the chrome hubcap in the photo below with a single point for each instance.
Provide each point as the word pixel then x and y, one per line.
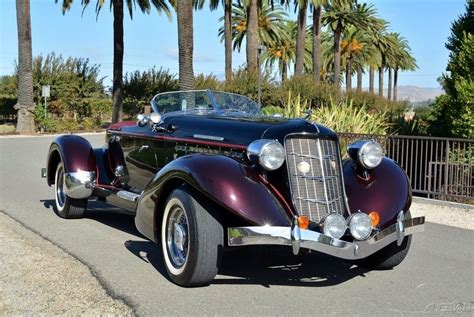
pixel 60 192
pixel 177 236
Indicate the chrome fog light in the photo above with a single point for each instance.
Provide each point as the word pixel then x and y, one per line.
pixel 360 226
pixel 334 225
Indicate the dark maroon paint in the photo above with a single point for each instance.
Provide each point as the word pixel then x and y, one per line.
pixel 75 152
pixel 232 185
pixel 386 190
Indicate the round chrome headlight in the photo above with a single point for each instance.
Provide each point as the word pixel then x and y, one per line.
pixel 334 225
pixel 270 154
pixel 360 226
pixel 370 155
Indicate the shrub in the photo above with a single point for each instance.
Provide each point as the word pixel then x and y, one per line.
pixel 207 82
pixel 246 83
pixel 140 87
pixel 340 116
pixel 7 102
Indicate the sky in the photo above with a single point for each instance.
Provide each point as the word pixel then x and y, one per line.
pixel 151 39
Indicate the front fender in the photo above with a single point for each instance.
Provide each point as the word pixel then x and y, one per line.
pixel 236 187
pixel 387 190
pixel 74 151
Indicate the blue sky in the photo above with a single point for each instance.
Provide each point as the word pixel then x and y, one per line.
pixel 151 40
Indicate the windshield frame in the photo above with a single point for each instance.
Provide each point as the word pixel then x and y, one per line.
pixel 217 108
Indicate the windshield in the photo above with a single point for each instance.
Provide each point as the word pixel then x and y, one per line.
pixel 204 102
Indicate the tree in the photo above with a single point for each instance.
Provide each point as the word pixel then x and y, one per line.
pixel 338 15
pixel 456 108
pixel 317 14
pixel 252 34
pixel 25 104
pixel 282 51
pixel 184 11
pixel 117 7
pixel 227 4
pixel 302 7
pixel 270 20
pixel 400 58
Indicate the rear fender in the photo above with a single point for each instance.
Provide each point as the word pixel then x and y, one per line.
pixel 74 151
pixel 237 188
pixel 386 190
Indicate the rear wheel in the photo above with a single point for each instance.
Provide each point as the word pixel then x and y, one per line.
pixel 390 256
pixel 191 239
pixel 66 207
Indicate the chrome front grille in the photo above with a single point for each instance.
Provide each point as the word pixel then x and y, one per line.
pixel 315 178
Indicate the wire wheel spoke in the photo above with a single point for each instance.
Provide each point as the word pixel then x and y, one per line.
pixel 177 236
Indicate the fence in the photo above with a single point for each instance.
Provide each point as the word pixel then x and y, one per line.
pixel 440 168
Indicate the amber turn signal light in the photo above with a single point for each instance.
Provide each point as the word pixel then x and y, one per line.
pixel 303 222
pixel 374 219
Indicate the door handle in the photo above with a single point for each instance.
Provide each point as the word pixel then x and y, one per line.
pixel 144 148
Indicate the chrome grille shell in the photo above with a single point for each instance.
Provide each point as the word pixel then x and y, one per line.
pixel 319 191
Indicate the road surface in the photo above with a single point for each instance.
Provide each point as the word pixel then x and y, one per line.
pixel 437 276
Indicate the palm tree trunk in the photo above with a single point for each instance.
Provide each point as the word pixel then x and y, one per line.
pixel 228 39
pixel 389 94
pixel 316 43
pixel 395 84
pixel 252 36
pixel 337 54
pixel 284 71
pixel 184 11
pixel 117 85
pixel 25 105
pixel 301 37
pixel 349 74
pixel 371 79
pixel 359 77
pixel 381 81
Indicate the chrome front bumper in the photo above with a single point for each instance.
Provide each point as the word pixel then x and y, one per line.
pixel 300 238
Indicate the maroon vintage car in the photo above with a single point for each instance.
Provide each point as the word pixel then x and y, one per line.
pixel 206 171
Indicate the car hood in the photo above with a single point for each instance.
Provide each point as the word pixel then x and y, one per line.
pixel 241 130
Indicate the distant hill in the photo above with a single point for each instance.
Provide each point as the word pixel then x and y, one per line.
pixel 416 94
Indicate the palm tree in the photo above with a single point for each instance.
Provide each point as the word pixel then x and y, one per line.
pixel 401 59
pixel 252 34
pixel 282 51
pixel 317 10
pixel 25 104
pixel 338 15
pixel 269 24
pixel 351 46
pixel 227 4
pixel 301 6
pixel 184 12
pixel 117 7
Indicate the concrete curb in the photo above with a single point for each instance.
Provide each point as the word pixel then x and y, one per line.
pixel 450 204
pixel 17 136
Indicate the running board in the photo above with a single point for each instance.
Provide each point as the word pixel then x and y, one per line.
pixel 119 198
pixel 127 195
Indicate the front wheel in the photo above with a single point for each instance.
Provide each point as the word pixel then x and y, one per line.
pixel 66 207
pixel 390 256
pixel 191 239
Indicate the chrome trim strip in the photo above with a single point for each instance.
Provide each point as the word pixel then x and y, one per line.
pixel 307 239
pixel 208 137
pixel 79 184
